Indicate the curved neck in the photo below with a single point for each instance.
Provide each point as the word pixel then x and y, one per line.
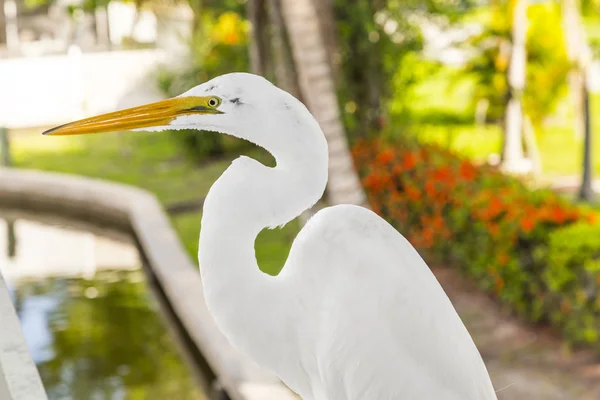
pixel 247 304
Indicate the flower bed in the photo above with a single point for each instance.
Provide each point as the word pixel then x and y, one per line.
pixel 533 250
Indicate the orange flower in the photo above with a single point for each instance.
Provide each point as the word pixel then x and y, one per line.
pixel 503 259
pixel 376 181
pixel 493 210
pixel 495 207
pixel 412 193
pixel 231 38
pixel 427 238
pixel 559 215
pixel 565 306
pixel 385 157
pixel 499 284
pixel 442 175
pixel 397 169
pixel 527 223
pixel 410 160
pixel 467 171
pixel 430 189
pixel 396 197
pixel 494 230
pixel 437 222
pixel 591 218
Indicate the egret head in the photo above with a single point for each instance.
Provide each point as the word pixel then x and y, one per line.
pixel 240 104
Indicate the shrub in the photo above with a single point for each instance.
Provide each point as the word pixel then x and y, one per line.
pixel 533 250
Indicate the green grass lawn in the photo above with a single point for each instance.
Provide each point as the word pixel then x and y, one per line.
pixel 440 112
pixel 561 152
pixel 152 161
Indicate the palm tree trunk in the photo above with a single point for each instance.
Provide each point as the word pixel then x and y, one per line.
pixel 11 25
pixel 512 152
pixel 259 48
pixel 531 147
pixel 2 23
pixel 318 92
pixel 572 28
pixel 580 55
pixel 586 192
pixel 324 10
pixel 283 63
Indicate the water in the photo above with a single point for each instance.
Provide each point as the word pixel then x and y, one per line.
pixel 90 320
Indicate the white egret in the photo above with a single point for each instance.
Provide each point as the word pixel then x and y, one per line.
pixel 355 314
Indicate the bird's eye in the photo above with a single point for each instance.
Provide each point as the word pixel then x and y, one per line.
pixel 214 102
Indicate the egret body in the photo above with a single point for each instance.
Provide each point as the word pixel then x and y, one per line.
pixel 355 313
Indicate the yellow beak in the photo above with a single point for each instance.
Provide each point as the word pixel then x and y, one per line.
pixel 161 113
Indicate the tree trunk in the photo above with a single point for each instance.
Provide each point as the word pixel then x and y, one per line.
pixel 572 26
pixel 512 152
pixel 318 91
pixel 102 27
pixel 259 47
pixel 283 64
pixel 11 25
pixel 531 147
pixel 2 23
pixel 586 192
pixel 324 10
pixel 580 55
pixel 196 6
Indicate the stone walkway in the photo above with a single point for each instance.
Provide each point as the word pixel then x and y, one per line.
pixel 525 363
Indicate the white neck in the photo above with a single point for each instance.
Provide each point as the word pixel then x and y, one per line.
pixel 248 305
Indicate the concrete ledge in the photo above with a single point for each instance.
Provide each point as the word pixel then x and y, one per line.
pixel 138 212
pixel 19 378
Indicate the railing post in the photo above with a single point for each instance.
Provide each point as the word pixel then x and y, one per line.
pixel 6 161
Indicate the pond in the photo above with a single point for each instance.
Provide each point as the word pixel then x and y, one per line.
pixel 91 320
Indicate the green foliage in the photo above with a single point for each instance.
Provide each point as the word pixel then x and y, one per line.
pixel 431 94
pixel 547 63
pixel 532 250
pixel 379 44
pixel 573 281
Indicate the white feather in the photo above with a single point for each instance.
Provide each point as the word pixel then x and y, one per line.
pixel 356 313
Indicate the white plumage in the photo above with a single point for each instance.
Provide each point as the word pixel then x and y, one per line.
pixel 355 314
